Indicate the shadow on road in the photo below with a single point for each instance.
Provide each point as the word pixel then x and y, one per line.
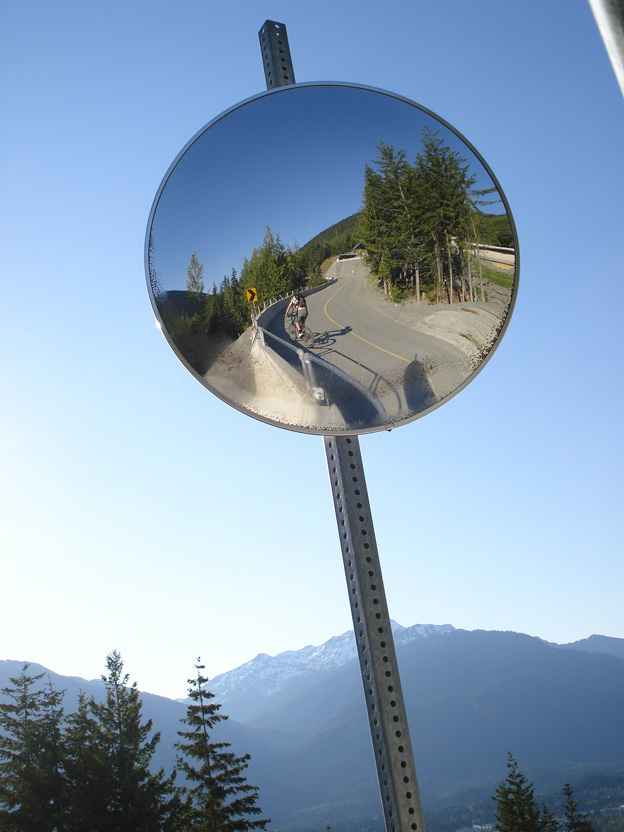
pixel 328 339
pixel 418 391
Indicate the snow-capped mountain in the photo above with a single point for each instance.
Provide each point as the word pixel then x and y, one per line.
pixel 243 690
pixel 471 697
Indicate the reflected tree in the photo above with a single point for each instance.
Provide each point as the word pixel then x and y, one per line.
pixel 268 270
pixel 421 223
pixel 195 285
pixel 445 193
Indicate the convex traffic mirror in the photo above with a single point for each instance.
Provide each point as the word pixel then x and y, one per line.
pixel 373 210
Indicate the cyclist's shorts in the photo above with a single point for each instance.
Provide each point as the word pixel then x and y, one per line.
pixel 302 314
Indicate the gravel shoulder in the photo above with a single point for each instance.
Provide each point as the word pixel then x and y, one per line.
pixel 471 327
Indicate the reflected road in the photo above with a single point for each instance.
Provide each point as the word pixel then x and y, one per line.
pixel 356 331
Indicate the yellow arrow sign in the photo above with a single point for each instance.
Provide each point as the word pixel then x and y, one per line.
pixel 252 295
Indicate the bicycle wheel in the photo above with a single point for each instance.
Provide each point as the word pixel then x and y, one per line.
pixel 292 329
pixel 308 338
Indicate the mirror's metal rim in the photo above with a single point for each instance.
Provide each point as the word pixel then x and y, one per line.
pixel 325 431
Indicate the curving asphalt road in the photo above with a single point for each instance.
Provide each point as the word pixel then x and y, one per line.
pixel 406 370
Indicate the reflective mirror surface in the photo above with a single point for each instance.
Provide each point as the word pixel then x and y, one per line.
pixel 381 216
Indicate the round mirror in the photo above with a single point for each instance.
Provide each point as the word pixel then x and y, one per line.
pixel 331 258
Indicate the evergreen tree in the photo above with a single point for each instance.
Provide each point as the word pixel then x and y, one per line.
pixel 235 305
pixel 390 217
pixel 197 299
pixel 32 782
pixel 267 270
pixel 128 797
pixel 447 190
pixel 516 806
pixel 53 781
pixel 218 797
pixel 195 283
pixel 296 266
pixel 418 220
pixel 549 822
pixel 87 769
pixel 574 820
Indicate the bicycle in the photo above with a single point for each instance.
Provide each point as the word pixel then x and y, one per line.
pixel 307 337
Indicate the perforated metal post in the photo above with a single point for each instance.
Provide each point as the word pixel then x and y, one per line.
pixel 387 718
pixel 394 758
pixel 278 66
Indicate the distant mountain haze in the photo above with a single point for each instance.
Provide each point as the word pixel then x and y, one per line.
pixel 267 683
pixel 471 697
pixel 600 644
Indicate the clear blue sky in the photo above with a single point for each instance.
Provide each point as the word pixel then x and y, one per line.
pixel 140 513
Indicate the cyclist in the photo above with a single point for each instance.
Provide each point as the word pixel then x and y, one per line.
pixel 299 311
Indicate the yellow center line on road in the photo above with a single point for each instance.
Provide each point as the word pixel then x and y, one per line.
pixel 400 357
pixel 355 335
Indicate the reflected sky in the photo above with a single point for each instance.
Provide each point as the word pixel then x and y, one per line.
pixel 292 160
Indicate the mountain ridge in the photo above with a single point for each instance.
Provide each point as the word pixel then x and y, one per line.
pixel 244 691
pixel 471 698
pixel 599 644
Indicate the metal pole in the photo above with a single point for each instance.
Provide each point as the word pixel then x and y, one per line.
pixel 278 66
pixel 394 758
pixel 387 717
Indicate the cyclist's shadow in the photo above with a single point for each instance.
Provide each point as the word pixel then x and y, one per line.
pixel 328 339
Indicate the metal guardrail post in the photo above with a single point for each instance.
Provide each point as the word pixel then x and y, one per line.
pixel 396 771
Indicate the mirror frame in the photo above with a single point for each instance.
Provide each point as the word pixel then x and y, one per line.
pixel 290 89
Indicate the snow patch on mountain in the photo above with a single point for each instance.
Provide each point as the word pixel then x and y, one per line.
pixel 269 674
